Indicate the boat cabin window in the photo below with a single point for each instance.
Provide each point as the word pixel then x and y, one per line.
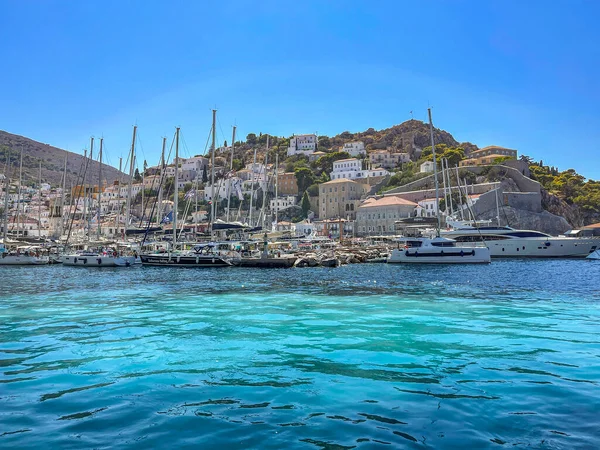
pixel 527 234
pixel 479 238
pixel 411 244
pixel 443 244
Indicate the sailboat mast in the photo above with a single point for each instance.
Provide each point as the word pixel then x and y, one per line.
pixel 19 195
pixel 212 171
pixel 230 169
pixel 62 198
pixel 40 202
pixel 253 178
pixel 497 205
pixel 88 197
pixel 160 188
pixel 100 187
pixel 176 189
pixel 437 187
pixel 276 187
pixel 265 183
pixel 131 165
pixel 119 197
pixel 449 188
pixel 6 189
pixel 460 199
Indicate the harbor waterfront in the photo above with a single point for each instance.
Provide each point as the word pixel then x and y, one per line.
pixel 358 356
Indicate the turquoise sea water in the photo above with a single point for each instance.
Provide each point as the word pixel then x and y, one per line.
pixel 362 356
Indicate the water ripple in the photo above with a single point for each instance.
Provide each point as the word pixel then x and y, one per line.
pixel 355 357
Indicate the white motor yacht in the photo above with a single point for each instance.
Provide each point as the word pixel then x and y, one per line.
pixel 508 242
pixel 437 250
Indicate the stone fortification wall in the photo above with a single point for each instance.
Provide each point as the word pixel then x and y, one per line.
pixel 524 183
pixel 416 196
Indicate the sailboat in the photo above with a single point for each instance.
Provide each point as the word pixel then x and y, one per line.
pixel 200 255
pixel 106 256
pixel 437 250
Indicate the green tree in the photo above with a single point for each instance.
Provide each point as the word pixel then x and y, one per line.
pixel 136 176
pixel 324 142
pixel 251 139
pixel 238 164
pixel 304 177
pixel 313 190
pixel 305 204
pixel 325 163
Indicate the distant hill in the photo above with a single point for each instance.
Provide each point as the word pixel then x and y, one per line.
pixel 407 137
pixel 410 137
pixel 53 160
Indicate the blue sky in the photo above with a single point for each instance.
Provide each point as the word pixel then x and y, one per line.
pixel 522 74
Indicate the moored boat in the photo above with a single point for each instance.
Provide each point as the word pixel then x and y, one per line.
pixel 202 255
pixel 438 250
pixel 507 242
pixel 23 256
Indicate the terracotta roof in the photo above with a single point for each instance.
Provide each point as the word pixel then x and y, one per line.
pixel 593 225
pixel 341 180
pixel 388 201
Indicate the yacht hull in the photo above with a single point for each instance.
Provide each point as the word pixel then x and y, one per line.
pixel 14 260
pixel 97 261
pixel 184 261
pixel 455 255
pixel 542 248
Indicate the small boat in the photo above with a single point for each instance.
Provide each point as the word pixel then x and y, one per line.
pixel 97 259
pixel 437 250
pixel 252 257
pixel 594 255
pixel 330 262
pixel 23 256
pixel 267 262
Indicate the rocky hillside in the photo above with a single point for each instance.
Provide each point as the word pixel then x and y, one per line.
pixel 407 137
pixel 53 160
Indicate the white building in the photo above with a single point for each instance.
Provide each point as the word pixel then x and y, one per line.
pixel 303 144
pixel 136 188
pixel 195 163
pixel 427 167
pixel 223 187
pixel 354 149
pixel 305 228
pixel 282 202
pixel 352 169
pixel 427 207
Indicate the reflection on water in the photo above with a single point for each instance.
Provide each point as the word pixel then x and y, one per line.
pixel 362 356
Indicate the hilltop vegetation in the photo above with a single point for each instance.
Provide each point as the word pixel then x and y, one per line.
pixel 571 187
